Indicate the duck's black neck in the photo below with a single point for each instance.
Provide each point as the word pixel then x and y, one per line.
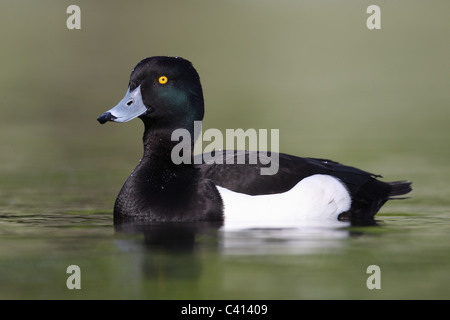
pixel 157 168
pixel 159 148
pixel 157 186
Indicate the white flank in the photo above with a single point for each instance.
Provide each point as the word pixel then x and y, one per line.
pixel 314 201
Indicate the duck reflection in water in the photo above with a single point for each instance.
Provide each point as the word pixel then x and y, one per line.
pixel 168 250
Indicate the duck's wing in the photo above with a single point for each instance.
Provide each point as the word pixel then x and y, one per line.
pixel 367 192
pixel 247 178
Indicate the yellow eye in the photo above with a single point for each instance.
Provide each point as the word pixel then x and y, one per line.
pixel 162 80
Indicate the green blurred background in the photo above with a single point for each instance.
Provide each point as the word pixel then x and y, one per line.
pixel 309 68
pixel 374 99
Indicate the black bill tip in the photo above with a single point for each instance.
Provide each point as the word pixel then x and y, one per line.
pixel 107 116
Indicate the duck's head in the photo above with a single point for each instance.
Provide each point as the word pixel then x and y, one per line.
pixel 165 92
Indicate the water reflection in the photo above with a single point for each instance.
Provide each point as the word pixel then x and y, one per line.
pixel 169 237
pixel 169 250
pixel 305 240
pixel 175 250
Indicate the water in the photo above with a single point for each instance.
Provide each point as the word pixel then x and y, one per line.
pixel 187 261
pixel 378 100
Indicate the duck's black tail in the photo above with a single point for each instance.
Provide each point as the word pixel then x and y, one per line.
pixel 371 196
pixel 399 188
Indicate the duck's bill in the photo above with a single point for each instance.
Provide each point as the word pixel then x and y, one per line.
pixel 130 107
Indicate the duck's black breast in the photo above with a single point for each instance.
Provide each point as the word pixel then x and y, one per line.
pixel 173 194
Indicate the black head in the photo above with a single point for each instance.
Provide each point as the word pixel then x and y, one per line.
pixel 162 91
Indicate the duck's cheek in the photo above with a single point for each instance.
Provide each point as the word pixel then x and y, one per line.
pixel 130 107
pixel 148 113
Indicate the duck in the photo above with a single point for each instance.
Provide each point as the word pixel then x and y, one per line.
pixel 165 93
